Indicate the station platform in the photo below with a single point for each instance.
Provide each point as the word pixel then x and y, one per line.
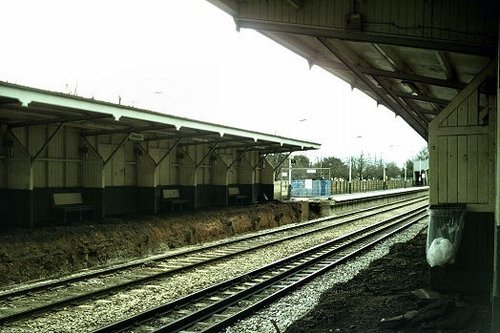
pixel 338 198
pixel 341 203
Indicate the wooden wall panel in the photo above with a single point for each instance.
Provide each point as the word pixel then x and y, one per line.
pixel 462 153
pixel 472 169
pixel 452 173
pixel 472 109
pixel 483 180
pixel 118 168
pixel 73 174
pixel 442 169
pixel 130 177
pixel 462 117
pixel 56 175
pixel 40 174
pixel 462 169
pixel 36 138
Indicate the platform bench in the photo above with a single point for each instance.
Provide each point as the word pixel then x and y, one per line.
pixel 70 203
pixel 235 196
pixel 173 198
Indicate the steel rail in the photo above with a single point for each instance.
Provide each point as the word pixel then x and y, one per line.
pixel 79 296
pixel 293 264
pixel 98 272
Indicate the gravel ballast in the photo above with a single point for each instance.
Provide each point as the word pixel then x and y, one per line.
pixel 292 307
pixel 91 315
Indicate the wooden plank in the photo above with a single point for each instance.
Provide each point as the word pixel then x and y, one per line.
pixel 452 166
pixel 130 174
pixel 453 119
pixel 462 168
pixel 472 168
pixel 39 174
pixel 449 131
pixel 462 114
pixel 462 96
pixel 444 123
pixel 442 169
pixel 483 169
pixel 56 174
pixel 74 174
pixel 472 108
pixel 433 169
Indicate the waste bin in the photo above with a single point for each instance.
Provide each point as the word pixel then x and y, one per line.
pixel 444 234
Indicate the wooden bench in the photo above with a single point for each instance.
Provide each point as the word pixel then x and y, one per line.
pixel 70 203
pixel 235 196
pixel 173 198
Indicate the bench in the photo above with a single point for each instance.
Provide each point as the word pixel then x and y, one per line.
pixel 70 203
pixel 235 196
pixel 173 198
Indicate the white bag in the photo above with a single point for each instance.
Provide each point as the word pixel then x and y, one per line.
pixel 440 252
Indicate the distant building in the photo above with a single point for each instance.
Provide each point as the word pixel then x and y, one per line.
pixel 421 171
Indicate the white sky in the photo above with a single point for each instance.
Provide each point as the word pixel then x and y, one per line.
pixel 185 58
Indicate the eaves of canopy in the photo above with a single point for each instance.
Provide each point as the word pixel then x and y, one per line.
pixel 22 106
pixel 413 57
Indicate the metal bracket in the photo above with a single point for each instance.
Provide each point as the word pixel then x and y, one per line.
pixel 168 152
pixel 205 156
pixel 46 143
pixel 280 163
pixel 262 158
pixel 116 150
pixel 92 147
pixel 238 157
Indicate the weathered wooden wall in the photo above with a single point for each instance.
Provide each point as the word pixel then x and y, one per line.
pixel 118 175
pixel 462 150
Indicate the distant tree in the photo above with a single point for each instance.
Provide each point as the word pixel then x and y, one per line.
pixel 409 170
pixel 300 161
pixel 392 170
pixel 374 170
pixel 423 154
pixel 338 169
pixel 359 165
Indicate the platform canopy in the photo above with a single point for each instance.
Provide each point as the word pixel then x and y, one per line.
pixel 413 57
pixel 23 106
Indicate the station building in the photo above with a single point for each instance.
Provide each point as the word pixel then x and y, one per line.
pixel 122 160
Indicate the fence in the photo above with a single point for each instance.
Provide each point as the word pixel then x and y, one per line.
pixel 311 188
pixel 318 189
pixel 341 187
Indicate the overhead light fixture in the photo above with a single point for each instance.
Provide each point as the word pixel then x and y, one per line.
pixel 410 87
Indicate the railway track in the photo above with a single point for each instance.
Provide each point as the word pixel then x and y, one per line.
pixel 216 307
pixel 43 297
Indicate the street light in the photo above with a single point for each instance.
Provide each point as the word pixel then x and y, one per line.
pixel 384 184
pixel 350 164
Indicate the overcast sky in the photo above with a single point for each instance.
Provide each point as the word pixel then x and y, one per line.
pixel 185 58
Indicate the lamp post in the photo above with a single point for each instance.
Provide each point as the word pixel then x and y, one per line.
pixel 350 166
pixel 405 173
pixel 384 183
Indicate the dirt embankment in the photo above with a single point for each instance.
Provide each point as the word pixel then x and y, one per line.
pixel 29 254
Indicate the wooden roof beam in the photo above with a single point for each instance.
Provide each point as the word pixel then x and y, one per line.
pixel 414 77
pixel 419 125
pixel 379 38
pixel 423 98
